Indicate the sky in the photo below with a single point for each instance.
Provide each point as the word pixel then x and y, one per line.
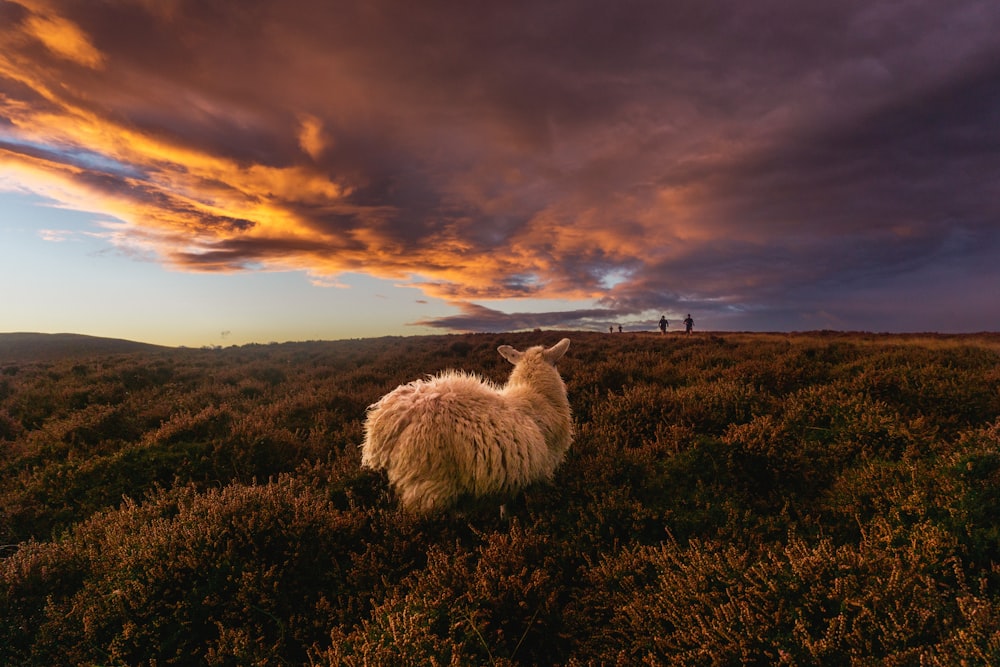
pixel 190 172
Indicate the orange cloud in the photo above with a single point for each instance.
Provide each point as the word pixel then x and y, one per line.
pixel 65 39
pixel 312 136
pixel 171 196
pixel 199 209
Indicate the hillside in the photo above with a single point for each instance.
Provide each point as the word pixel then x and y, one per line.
pixel 808 499
pixel 23 346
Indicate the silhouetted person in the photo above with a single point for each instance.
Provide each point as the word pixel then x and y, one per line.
pixel 619 328
pixel 611 329
pixel 663 324
pixel 688 323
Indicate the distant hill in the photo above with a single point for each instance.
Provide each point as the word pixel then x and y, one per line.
pixel 46 347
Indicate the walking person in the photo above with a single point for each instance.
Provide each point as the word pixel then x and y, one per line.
pixel 688 324
pixel 663 324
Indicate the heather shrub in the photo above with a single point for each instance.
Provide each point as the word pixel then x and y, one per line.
pixel 955 389
pixel 818 432
pixel 10 429
pixel 975 467
pixel 30 575
pixel 895 597
pixel 633 417
pixel 774 370
pixel 804 499
pixel 244 574
pixel 57 495
pixel 487 605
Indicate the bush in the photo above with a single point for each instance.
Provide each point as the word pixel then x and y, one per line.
pixel 740 499
pixel 898 596
pixel 246 573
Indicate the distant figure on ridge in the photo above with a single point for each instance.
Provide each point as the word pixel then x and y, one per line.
pixel 619 328
pixel 663 324
pixel 611 330
pixel 688 323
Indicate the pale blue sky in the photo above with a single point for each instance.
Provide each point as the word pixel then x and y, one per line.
pixel 82 284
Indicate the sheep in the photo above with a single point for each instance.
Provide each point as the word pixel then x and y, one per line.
pixel 456 434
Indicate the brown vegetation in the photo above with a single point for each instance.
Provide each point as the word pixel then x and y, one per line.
pixel 756 499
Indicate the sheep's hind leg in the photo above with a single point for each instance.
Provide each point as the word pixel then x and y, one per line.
pixel 427 498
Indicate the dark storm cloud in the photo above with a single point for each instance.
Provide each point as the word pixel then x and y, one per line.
pixel 772 164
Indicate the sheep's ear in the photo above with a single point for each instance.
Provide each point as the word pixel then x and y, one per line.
pixel 510 354
pixel 555 353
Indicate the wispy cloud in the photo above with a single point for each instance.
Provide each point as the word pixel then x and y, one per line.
pixel 55 235
pixel 757 162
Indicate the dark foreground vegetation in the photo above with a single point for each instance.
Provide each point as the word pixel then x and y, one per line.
pixel 757 499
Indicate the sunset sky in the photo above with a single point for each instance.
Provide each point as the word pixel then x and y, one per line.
pixel 192 172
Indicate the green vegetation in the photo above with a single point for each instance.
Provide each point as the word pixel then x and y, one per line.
pixel 756 499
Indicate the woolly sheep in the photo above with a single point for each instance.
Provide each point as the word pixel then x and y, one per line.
pixel 455 434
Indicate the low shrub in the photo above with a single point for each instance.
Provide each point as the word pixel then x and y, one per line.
pixel 729 499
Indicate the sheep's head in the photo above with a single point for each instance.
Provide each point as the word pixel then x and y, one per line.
pixel 550 355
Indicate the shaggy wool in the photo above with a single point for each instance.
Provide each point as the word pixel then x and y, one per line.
pixel 457 434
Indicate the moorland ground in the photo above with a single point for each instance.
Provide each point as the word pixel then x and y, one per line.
pixel 806 499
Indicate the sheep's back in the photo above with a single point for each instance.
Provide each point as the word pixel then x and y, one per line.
pixel 458 427
pixel 413 412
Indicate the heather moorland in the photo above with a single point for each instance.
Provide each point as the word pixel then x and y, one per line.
pixel 807 499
